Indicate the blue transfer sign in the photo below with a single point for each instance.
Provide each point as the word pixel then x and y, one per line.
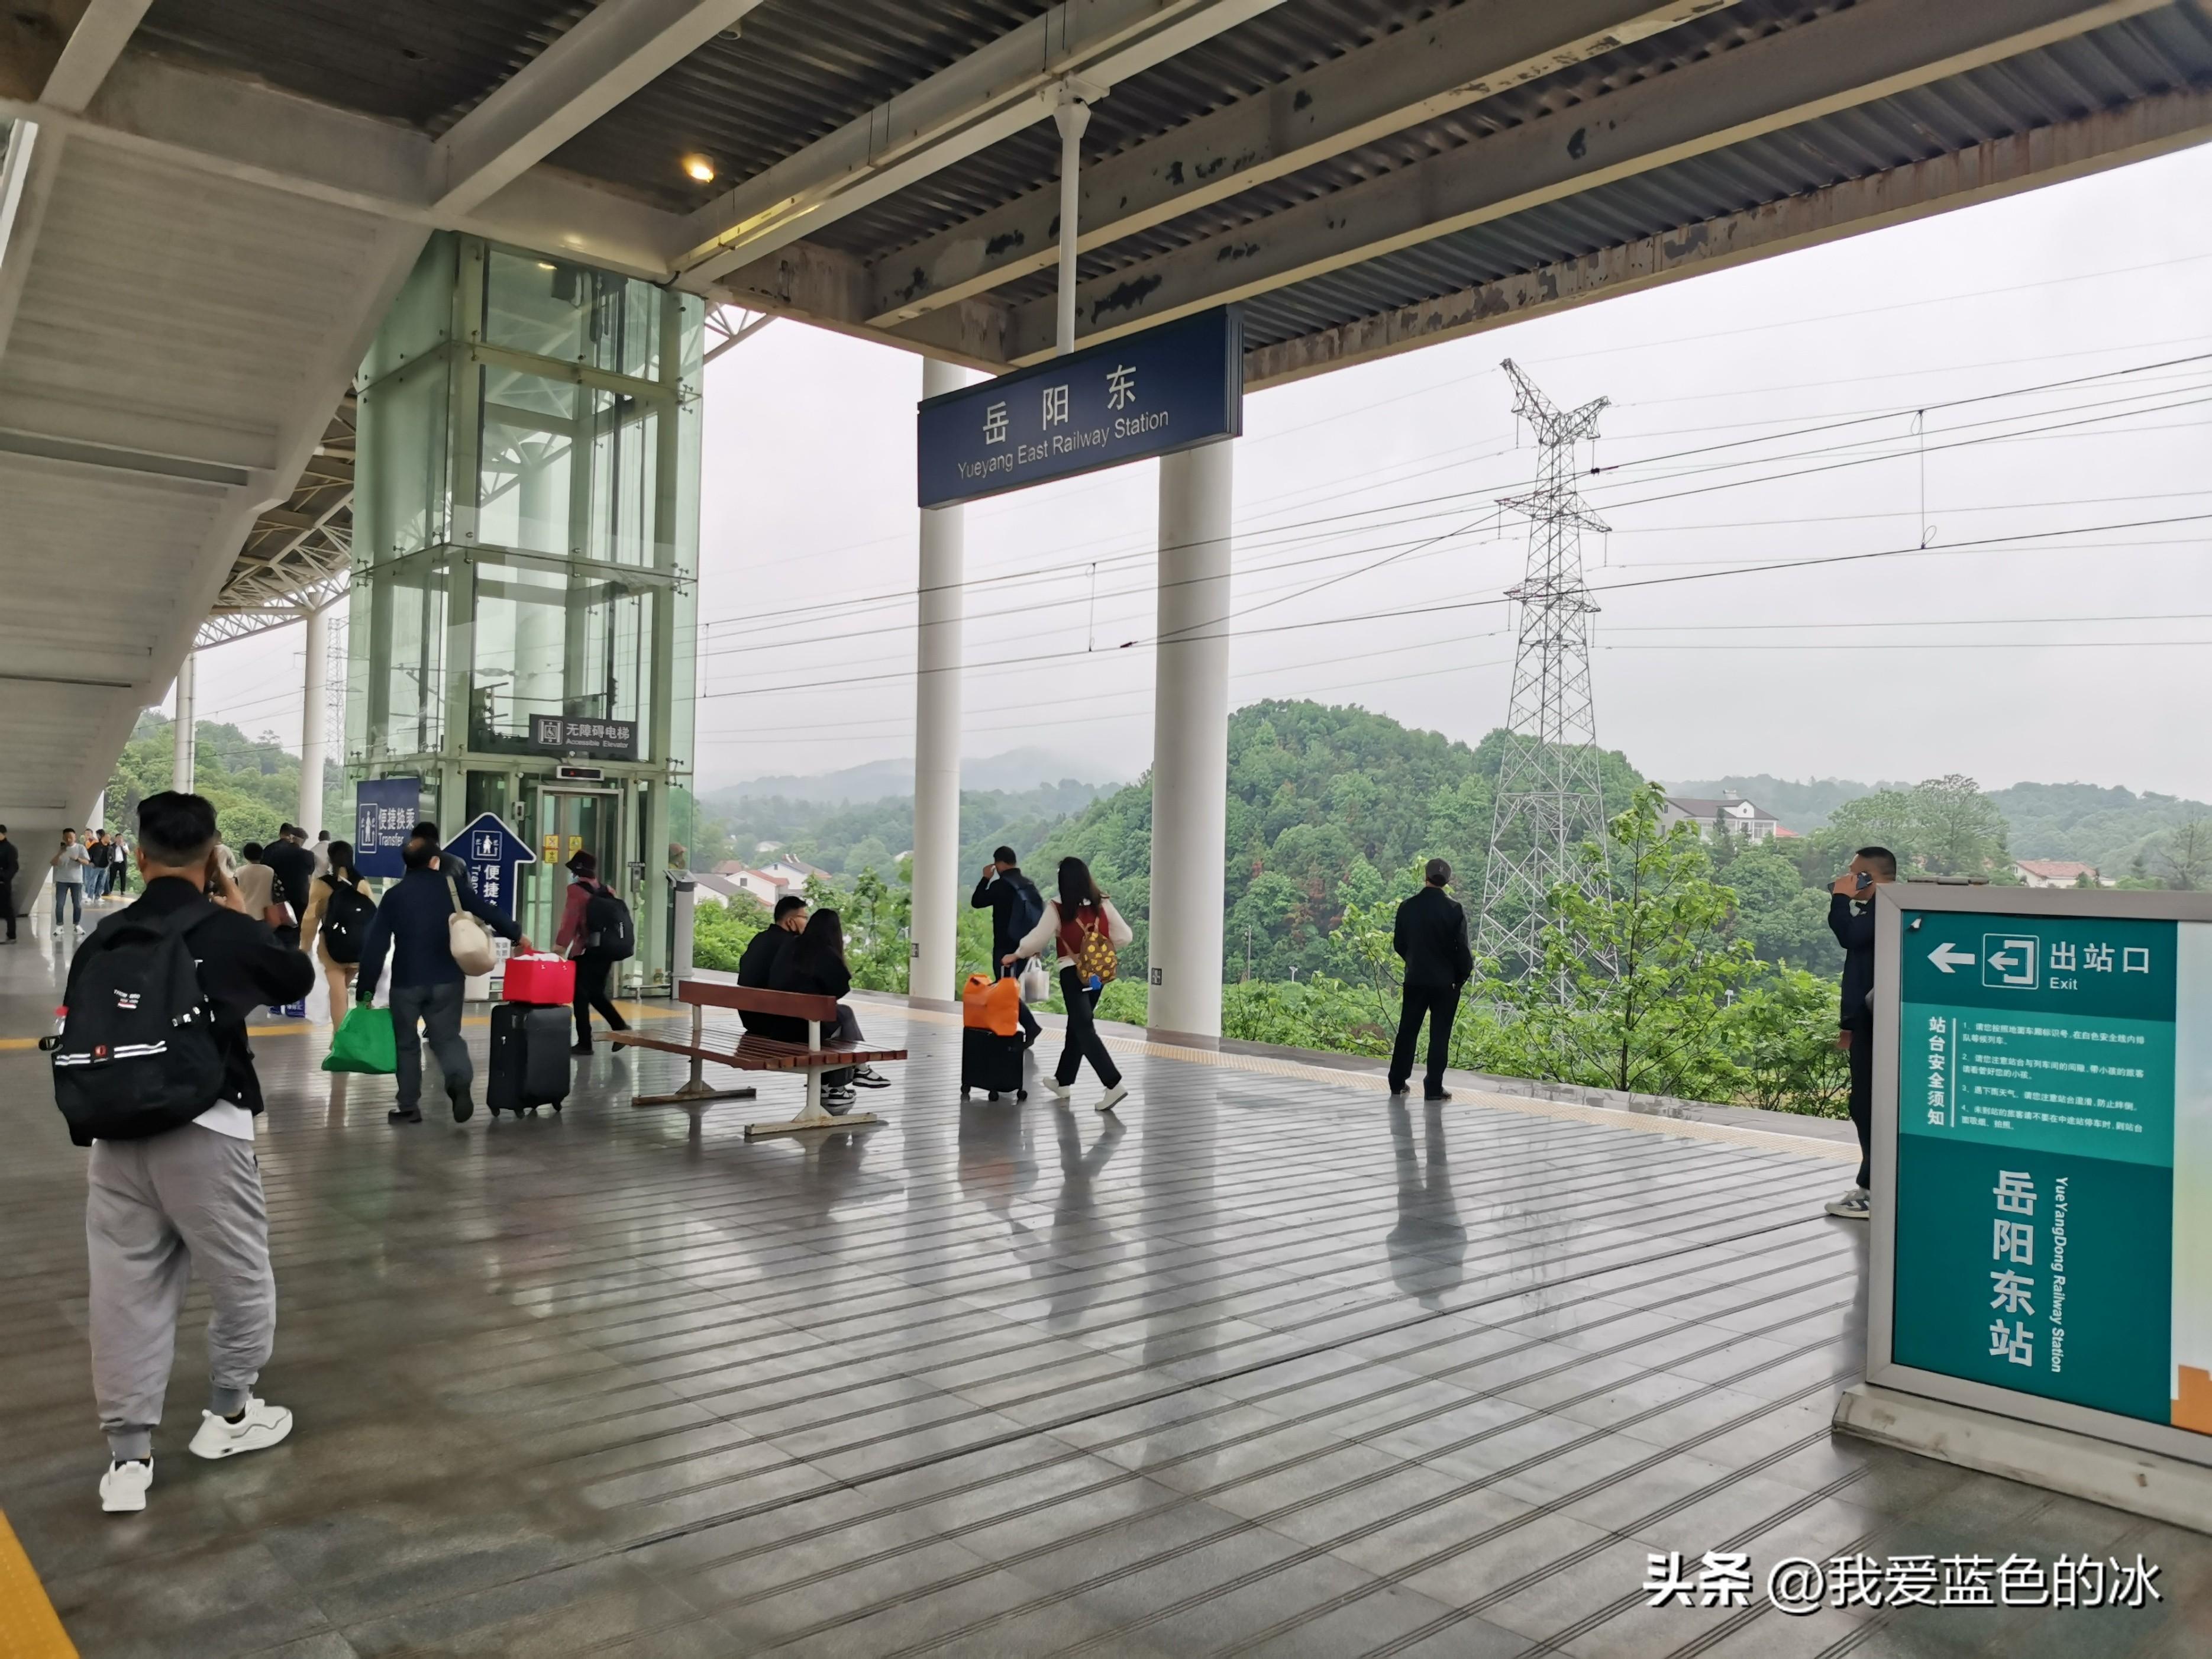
pixel 384 810
pixel 1169 388
pixel 491 852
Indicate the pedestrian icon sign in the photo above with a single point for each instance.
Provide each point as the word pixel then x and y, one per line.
pixel 2008 960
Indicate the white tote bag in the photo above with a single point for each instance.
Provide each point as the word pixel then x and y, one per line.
pixel 1036 986
pixel 469 940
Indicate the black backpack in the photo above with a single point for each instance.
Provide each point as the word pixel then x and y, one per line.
pixel 608 930
pixel 346 916
pixel 1029 906
pixel 137 1055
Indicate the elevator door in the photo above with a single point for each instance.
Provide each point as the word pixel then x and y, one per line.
pixel 568 821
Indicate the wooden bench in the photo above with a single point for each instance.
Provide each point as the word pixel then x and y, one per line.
pixel 755 1053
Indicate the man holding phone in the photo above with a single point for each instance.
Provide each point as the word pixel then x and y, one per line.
pixel 1850 919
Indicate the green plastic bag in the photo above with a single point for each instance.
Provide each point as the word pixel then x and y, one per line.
pixel 364 1042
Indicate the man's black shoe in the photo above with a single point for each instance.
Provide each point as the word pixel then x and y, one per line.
pixel 403 1114
pixel 581 1048
pixel 1401 1088
pixel 1441 1094
pixel 464 1108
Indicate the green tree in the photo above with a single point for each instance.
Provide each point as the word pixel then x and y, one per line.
pixel 1785 919
pixel 2184 855
pixel 1959 830
pixel 1779 1036
pixel 876 915
pixel 1635 981
pixel 720 932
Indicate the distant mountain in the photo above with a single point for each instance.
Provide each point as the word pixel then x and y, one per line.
pixel 1014 772
pixel 2108 828
pixel 1801 807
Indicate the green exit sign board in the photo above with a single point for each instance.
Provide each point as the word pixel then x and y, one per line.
pixel 2044 1157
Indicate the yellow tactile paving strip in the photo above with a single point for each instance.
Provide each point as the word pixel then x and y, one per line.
pixel 29 1628
pixel 1684 1128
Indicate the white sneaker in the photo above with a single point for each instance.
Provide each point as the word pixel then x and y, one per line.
pixel 123 1488
pixel 263 1426
pixel 1056 1089
pixel 1853 1205
pixel 1114 1097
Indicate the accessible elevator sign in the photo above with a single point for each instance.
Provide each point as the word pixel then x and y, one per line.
pixel 1169 388
pixel 2053 1154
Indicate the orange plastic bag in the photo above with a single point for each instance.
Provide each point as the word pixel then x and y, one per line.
pixel 992 1005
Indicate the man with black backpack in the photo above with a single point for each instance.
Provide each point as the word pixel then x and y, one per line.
pixel 1016 906
pixel 152 1071
pixel 597 931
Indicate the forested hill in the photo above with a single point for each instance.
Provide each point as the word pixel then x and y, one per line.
pixel 1327 806
pixel 2120 832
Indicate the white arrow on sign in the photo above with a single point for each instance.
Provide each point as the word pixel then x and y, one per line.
pixel 2003 961
pixel 1948 956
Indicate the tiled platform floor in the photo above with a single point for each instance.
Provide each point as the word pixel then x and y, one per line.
pixel 1268 1366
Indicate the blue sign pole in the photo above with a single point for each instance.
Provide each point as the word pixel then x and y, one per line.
pixel 491 852
pixel 384 810
pixel 1169 388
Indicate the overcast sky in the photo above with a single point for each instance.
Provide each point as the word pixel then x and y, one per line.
pixel 2076 650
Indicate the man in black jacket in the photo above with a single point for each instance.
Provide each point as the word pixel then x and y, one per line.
pixel 757 965
pixel 411 923
pixel 186 1205
pixel 10 861
pixel 1431 936
pixel 293 868
pixel 1850 919
pixel 1014 904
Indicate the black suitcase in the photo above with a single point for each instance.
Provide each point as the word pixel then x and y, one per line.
pixel 529 1058
pixel 991 1063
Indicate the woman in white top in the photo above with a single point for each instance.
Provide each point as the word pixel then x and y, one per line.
pixel 1081 923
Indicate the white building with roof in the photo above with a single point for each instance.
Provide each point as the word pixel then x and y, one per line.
pixel 1729 811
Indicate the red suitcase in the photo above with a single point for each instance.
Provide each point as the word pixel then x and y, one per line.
pixel 545 980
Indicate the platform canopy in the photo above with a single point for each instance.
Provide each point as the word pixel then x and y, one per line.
pixel 221 196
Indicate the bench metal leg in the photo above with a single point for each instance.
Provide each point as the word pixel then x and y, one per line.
pixel 813 1117
pixel 694 1092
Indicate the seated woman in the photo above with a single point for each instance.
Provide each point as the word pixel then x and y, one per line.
pixel 815 965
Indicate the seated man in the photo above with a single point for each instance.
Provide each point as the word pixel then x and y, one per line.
pixel 758 964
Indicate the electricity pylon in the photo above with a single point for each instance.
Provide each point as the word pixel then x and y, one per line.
pixel 1549 800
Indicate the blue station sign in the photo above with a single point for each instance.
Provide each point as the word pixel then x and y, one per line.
pixel 491 852
pixel 384 810
pixel 1169 388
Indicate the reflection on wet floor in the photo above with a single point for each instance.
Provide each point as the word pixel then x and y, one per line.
pixel 1265 1363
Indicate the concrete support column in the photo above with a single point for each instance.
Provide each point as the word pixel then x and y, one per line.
pixel 180 772
pixel 315 723
pixel 1190 742
pixel 937 733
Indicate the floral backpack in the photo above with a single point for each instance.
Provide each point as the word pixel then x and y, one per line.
pixel 1097 957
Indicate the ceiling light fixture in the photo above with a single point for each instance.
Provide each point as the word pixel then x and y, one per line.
pixel 698 168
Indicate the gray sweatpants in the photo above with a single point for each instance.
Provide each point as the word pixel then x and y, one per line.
pixel 159 1211
pixel 439 1008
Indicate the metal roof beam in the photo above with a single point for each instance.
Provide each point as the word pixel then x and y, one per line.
pixel 1447 62
pixel 1981 173
pixel 988 96
pixel 611 54
pixel 1874 50
pixel 91 51
pixel 830 289
pixel 226 126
